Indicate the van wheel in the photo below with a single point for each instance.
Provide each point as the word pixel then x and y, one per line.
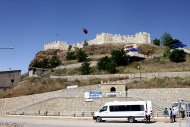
pixel 98 119
pixel 131 119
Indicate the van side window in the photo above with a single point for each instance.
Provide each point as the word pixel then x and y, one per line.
pixel 103 108
pixel 119 108
pixel 137 108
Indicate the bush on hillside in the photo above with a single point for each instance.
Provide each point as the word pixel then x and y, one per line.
pixel 111 67
pixel 120 57
pixel 167 52
pixel 177 56
pixel 81 55
pixel 107 64
pixel 85 68
pixel 71 55
pixel 102 62
pixel 47 63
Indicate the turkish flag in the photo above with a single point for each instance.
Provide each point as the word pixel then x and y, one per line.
pixel 85 31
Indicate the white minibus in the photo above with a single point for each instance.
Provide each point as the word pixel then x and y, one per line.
pixel 129 110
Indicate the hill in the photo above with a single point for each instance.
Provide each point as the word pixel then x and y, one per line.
pixel 154 63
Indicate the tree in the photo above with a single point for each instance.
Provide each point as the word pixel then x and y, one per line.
pixel 156 41
pixel 120 57
pixel 85 68
pixel 167 39
pixel 177 56
pixel 81 55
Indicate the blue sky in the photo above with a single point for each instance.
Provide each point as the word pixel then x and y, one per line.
pixel 27 25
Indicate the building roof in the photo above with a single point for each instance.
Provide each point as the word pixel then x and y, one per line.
pixel 11 71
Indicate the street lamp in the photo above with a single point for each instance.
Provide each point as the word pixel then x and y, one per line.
pixel 7 48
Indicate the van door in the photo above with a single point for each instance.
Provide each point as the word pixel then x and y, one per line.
pixel 149 107
pixel 103 112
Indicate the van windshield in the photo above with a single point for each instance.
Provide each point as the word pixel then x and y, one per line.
pixel 175 105
pixel 103 108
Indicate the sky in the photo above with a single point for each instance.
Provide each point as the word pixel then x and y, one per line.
pixel 26 25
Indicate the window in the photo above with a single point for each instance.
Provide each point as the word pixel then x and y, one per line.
pixel 12 80
pixel 103 109
pixel 120 108
pixel 137 108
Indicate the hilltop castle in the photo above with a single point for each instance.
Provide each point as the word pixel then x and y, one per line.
pixel 104 38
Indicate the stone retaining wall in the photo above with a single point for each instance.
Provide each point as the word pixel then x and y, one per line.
pixel 130 76
pixel 71 102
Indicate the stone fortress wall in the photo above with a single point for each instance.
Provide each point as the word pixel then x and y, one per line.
pixel 104 38
pixel 56 45
pixel 138 38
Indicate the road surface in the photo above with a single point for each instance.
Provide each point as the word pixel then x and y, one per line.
pixel 31 121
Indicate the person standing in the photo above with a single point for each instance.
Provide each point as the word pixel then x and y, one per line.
pixel 174 115
pixel 146 116
pixel 149 113
pixel 171 115
pixel 165 114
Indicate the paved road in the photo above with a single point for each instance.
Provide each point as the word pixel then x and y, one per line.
pixel 12 121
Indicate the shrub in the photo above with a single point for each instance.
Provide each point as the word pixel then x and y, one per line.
pixel 177 56
pixel 111 67
pixel 85 68
pixel 167 52
pixel 107 64
pixel 120 57
pixel 81 55
pixel 71 55
pixel 47 63
pixel 103 62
